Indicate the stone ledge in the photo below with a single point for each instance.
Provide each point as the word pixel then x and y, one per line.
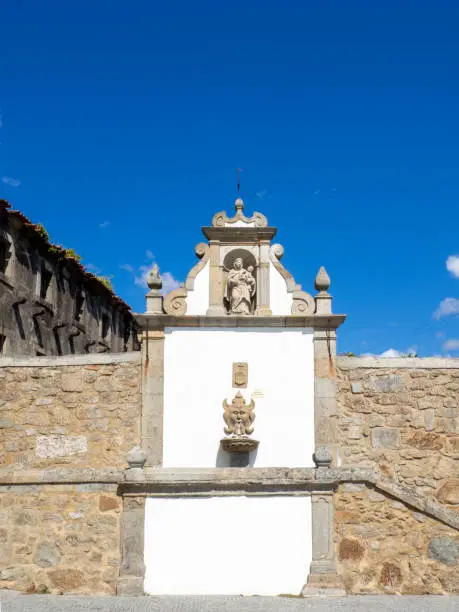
pixel 155 322
pixel 70 360
pixel 419 363
pixel 209 482
pixel 62 476
pixel 180 482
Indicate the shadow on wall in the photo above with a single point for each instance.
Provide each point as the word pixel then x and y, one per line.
pixel 225 459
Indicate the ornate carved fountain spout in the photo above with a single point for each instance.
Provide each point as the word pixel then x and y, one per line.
pixel 239 418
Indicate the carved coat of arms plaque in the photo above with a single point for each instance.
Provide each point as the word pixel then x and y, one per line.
pixel 240 375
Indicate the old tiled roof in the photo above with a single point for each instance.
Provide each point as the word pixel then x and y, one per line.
pixel 59 251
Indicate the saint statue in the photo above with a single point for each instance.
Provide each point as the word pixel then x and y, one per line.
pixel 240 288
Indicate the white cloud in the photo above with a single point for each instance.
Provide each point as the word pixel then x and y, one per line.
pixel 127 267
pixel 104 224
pixel 449 306
pixel 262 194
pixel 141 277
pixel 12 182
pixel 169 282
pixel 452 265
pixel 391 353
pixel 149 254
pixel 412 350
pixel 92 268
pixel 451 345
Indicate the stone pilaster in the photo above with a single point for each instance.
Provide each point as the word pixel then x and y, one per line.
pixel 263 306
pixel 216 288
pixel 152 396
pixel 323 578
pixel 132 569
pixel 325 406
pixel 154 300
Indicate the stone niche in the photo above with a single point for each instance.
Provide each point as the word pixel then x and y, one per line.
pixel 239 280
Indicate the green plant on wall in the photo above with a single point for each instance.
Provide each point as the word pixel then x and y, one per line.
pixel 106 280
pixel 72 254
pixel 40 229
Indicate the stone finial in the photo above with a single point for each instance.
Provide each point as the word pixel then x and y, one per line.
pixel 136 457
pixel 322 457
pixel 154 280
pixel 322 282
pixel 239 205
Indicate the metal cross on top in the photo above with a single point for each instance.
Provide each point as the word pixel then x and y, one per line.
pixel 239 170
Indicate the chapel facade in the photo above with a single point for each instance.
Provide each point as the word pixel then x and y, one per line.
pixel 235 453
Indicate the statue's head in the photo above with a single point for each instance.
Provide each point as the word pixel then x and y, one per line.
pixel 238 263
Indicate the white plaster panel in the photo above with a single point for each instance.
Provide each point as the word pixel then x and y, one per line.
pixel 227 545
pixel 198 299
pixel 280 300
pixel 198 377
pixel 240 223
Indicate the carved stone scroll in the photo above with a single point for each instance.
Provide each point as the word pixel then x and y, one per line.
pixel 203 253
pixel 276 253
pixel 175 302
pixel 303 303
pixel 221 219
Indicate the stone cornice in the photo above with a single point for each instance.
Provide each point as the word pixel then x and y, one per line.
pixel 70 360
pixel 206 482
pixel 62 476
pixel 295 321
pixel 241 235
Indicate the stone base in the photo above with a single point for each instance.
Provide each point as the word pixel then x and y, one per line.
pixel 129 586
pixel 239 444
pixel 329 585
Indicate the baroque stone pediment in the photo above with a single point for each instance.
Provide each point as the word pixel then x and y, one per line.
pixel 221 219
pixel 239 274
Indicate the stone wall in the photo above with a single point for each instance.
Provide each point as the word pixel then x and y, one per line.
pixel 81 410
pixel 402 417
pixel 49 303
pixel 384 546
pixel 60 538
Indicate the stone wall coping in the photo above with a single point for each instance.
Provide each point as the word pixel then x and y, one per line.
pixel 70 360
pixel 441 363
pixel 209 482
pixel 154 322
pixel 61 476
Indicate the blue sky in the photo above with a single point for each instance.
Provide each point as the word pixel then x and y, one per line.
pixel 123 124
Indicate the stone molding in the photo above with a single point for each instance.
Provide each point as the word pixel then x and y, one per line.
pixel 202 251
pixel 155 322
pixel 210 482
pixel 175 302
pixel 152 393
pixel 239 235
pixel 439 363
pixel 303 304
pixel 180 482
pixel 221 219
pixel 69 360
pixel 276 252
pixel 62 476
